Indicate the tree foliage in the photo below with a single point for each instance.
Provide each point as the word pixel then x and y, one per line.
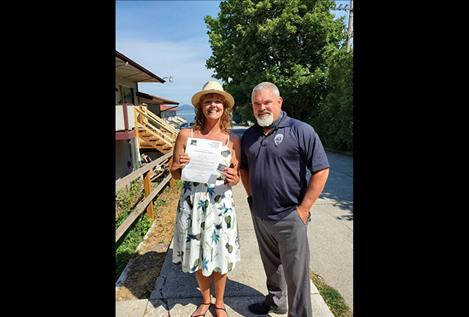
pixel 287 42
pixel 334 121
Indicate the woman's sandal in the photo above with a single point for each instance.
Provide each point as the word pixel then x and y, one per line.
pixel 202 315
pixel 222 308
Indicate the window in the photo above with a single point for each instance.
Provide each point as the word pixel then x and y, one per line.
pixel 127 95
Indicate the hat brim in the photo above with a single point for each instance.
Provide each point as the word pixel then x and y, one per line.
pixel 196 98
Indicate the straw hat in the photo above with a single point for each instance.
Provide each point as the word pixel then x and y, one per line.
pixel 213 87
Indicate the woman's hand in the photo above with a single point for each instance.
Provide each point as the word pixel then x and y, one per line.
pixel 184 159
pixel 231 175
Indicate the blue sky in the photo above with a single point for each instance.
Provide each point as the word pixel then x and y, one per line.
pixel 169 38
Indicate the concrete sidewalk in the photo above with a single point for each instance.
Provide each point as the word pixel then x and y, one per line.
pixel 176 293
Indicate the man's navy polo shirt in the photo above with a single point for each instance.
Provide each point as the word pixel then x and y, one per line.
pixel 277 164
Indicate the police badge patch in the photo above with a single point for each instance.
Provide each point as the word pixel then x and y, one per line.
pixel 278 139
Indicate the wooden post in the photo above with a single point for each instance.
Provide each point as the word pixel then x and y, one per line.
pixel 171 181
pixel 147 188
pixel 140 120
pixel 136 123
pixel 145 116
pixel 126 119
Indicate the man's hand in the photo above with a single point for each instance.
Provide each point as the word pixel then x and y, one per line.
pixel 303 213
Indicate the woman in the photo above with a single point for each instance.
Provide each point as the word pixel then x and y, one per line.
pixel 206 237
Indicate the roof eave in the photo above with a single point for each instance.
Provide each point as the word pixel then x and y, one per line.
pixel 139 67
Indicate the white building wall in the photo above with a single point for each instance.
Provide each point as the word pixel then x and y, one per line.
pixel 120 123
pixel 127 154
pixel 123 158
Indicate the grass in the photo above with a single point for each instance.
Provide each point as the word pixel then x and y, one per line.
pixel 125 200
pixel 332 297
pixel 126 249
pixel 127 245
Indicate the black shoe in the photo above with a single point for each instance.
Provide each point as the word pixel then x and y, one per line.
pixel 262 309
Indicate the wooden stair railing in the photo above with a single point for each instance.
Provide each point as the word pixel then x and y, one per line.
pixel 157 132
pixel 163 125
pixel 161 122
pixel 154 139
pixel 160 136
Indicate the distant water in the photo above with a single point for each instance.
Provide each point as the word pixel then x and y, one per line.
pixel 188 115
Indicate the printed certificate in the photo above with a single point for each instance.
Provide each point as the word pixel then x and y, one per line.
pixel 204 161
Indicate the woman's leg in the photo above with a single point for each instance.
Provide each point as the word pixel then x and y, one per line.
pixel 204 285
pixel 220 283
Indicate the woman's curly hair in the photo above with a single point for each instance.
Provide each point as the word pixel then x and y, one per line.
pixel 225 120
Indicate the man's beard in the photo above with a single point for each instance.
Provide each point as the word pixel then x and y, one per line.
pixel 266 120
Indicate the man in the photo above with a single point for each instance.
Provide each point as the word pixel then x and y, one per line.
pixel 276 154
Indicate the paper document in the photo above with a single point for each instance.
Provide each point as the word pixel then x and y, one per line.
pixel 204 160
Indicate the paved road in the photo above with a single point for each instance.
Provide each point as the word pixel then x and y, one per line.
pixel 330 233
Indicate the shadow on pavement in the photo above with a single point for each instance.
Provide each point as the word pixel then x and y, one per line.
pixel 346 205
pixel 175 287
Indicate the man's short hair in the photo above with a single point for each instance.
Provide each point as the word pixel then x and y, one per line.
pixel 265 85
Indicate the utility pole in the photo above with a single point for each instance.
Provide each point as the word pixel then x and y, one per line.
pixel 348 8
pixel 350 25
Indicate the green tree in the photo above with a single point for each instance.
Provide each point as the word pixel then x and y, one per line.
pixel 334 121
pixel 287 42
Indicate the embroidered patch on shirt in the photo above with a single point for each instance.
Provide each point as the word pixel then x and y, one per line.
pixel 278 139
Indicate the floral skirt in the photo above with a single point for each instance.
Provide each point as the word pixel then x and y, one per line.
pixel 206 234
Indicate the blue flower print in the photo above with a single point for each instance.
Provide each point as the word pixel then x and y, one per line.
pixel 211 191
pixel 203 204
pixel 215 236
pixel 224 209
pixel 204 264
pixel 186 186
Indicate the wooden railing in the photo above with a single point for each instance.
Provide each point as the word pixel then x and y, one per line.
pixel 162 122
pixel 165 127
pixel 153 169
pixel 158 133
